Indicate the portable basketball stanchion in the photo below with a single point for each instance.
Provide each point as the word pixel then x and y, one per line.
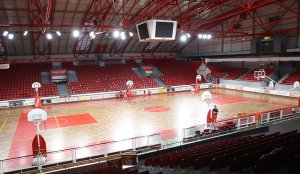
pixel 261 74
pixel 37 99
pixel 129 85
pixel 37 116
pixel 198 79
pixel 207 96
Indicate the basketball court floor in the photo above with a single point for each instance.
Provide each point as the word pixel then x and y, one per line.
pixel 86 123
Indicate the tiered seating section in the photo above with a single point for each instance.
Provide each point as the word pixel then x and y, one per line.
pixel 176 73
pixel 292 78
pixel 264 151
pixel 250 76
pixel 113 77
pixel 15 83
pixel 229 73
pixel 111 170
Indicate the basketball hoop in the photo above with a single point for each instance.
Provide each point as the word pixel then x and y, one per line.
pixel 198 78
pixel 260 74
pixel 296 84
pixel 206 96
pixel 37 116
pixel 129 83
pixel 36 86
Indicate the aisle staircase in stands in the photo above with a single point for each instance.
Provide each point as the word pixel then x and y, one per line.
pixel 62 87
pixel 156 73
pixel 72 76
pixel 46 77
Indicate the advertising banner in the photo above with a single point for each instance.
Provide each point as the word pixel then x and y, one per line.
pixel 71 99
pixel 58 100
pixel 97 96
pixel 84 97
pixel 15 103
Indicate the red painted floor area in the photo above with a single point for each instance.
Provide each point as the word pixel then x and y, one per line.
pixel 25 133
pixel 157 109
pixel 219 98
pixel 226 100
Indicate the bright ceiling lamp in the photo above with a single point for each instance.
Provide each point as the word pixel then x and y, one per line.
pixel 76 33
pixel 123 36
pixel 25 32
pixel 58 33
pixel 200 36
pixel 5 33
pixel 116 34
pixel 49 36
pixel 10 36
pixel 92 35
pixel 183 38
pixel 188 35
pixel 208 36
pixel 130 34
pixel 204 36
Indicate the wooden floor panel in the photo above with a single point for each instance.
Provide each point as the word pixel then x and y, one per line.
pixel 116 119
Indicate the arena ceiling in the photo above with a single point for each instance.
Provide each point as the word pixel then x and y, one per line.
pixel 40 17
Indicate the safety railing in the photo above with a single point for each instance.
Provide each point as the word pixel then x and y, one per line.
pixel 104 149
pixel 84 152
pixel 241 122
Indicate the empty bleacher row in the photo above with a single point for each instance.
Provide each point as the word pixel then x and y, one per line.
pixel 176 73
pixel 17 80
pixel 111 78
pixel 264 152
pixel 250 76
pixel 295 76
pixel 229 73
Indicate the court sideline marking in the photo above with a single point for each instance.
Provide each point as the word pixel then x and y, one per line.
pixel 3 124
pixel 57 123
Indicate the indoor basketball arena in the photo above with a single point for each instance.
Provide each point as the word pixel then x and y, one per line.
pixel 149 86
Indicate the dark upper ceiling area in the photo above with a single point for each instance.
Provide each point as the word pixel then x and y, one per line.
pixel 40 17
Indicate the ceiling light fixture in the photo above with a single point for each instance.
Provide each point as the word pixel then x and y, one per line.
pixel 116 34
pixel 10 36
pixel 5 33
pixel 58 33
pixel 123 36
pixel 25 32
pixel 183 38
pixel 49 36
pixel 76 33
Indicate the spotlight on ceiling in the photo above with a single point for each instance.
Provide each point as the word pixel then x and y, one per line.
pixel 183 38
pixel 58 33
pixel 76 33
pixel 208 36
pixel 10 36
pixel 200 36
pixel 5 33
pixel 188 35
pixel 116 34
pixel 49 36
pixel 130 34
pixel 92 34
pixel 25 32
pixel 123 36
pixel 204 36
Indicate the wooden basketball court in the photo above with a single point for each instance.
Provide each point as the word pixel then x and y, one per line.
pixel 85 123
